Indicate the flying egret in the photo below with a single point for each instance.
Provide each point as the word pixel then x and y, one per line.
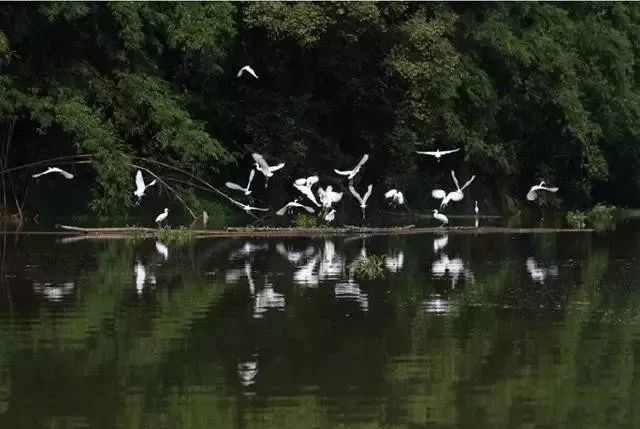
pixel 476 207
pixel 304 186
pixel 328 196
pixel 533 192
pixel 247 208
pixel 291 204
pixel 264 168
pixel 247 69
pixel 66 174
pixel 442 218
pixel 361 200
pixel 396 197
pixel 352 173
pixel 329 217
pixel 237 187
pixel 437 153
pixel 141 186
pixel 162 216
pixel 456 195
pixel 162 249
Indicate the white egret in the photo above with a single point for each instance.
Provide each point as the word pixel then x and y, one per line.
pixel 533 192
pixel 162 249
pixel 456 195
pixel 352 173
pixel 476 207
pixel 205 219
pixel 49 170
pixel 396 197
pixel 247 190
pixel 361 200
pixel 246 207
pixel 329 217
pixel 328 196
pixel 162 216
pixel 247 69
pixel 304 186
pixel 442 218
pixel 264 168
pixel 141 186
pixel 437 153
pixel 291 204
pixel 459 191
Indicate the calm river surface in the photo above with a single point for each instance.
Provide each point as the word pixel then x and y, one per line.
pixel 464 330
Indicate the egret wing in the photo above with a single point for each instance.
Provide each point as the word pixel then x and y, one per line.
pixel 283 210
pixel 455 179
pixel 264 167
pixel 363 160
pixel 553 189
pixel 470 181
pixel 234 186
pixel 438 194
pixel 444 152
pixel 276 167
pixel 368 193
pixel 335 196
pixel 251 174
pixel 240 72
pixel 355 193
pixel 426 152
pixel 342 172
pixel 139 181
pixel 312 180
pixel 308 209
pixel 258 208
pixel 390 193
pixel 66 174
pixel 300 182
pixel 456 196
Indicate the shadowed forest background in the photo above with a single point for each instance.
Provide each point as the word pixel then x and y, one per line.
pixel 528 91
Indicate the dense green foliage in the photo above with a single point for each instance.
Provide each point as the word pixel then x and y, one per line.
pixel 529 91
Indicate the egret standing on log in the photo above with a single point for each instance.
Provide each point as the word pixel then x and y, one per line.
pixel 442 218
pixel 162 217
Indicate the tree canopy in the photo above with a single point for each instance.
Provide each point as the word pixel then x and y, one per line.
pixel 528 91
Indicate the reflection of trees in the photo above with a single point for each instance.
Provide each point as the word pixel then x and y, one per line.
pixel 553 354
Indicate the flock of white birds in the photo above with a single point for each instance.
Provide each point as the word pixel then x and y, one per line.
pixel 326 197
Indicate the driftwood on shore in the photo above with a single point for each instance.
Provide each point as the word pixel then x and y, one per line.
pixel 346 230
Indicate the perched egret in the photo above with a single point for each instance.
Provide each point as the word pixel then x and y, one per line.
pixel 476 207
pixel 264 168
pixel 291 204
pixel 162 216
pixel 66 174
pixel 329 217
pixel 352 173
pixel 533 192
pixel 361 200
pixel 442 218
pixel 141 186
pixel 236 187
pixel 328 196
pixel 437 153
pixel 162 249
pixel 205 219
pixel 396 197
pixel 247 69
pixel 304 186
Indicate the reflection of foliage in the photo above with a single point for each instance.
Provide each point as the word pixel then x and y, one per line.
pixel 576 219
pixel 371 267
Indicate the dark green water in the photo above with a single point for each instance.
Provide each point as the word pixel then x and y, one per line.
pixel 500 330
